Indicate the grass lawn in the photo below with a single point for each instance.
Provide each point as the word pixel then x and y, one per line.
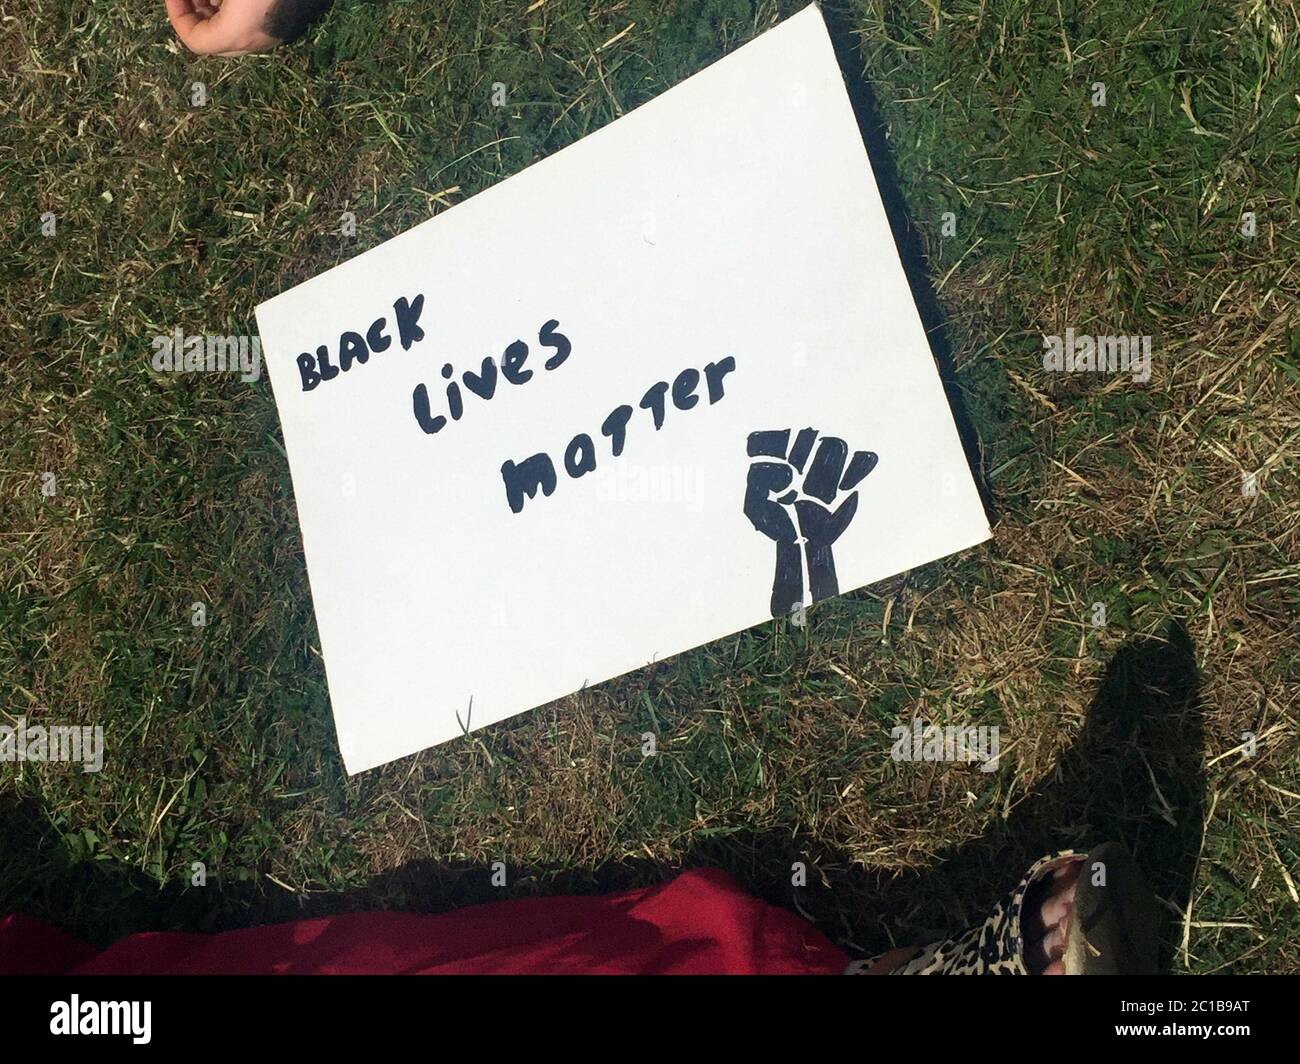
pixel 1172 503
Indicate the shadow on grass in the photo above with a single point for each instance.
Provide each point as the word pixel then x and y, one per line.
pixel 1135 776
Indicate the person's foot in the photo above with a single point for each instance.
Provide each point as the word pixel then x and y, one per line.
pixel 1044 921
pixel 1046 918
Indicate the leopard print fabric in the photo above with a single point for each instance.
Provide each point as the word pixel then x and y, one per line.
pixel 995 947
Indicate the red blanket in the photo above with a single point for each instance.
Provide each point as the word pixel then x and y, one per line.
pixel 700 922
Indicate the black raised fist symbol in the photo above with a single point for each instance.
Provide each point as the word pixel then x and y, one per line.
pixel 801 519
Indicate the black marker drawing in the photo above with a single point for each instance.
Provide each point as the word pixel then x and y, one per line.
pixel 770 497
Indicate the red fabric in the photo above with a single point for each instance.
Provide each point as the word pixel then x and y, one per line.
pixel 30 947
pixel 698 923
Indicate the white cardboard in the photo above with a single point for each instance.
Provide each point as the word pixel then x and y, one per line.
pixel 734 215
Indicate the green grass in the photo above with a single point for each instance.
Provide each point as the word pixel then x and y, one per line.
pixel 773 744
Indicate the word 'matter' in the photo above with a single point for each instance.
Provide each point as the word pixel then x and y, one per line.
pixel 526 477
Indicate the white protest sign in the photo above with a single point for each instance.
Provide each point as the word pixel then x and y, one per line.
pixel 653 390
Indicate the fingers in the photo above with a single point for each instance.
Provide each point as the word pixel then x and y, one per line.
pixel 863 463
pixel 192 23
pixel 768 478
pixel 770 444
pixel 220 27
pixel 823 479
pixel 767 516
pixel 803 445
pixel 830 471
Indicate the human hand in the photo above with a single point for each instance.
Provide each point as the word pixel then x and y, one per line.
pixel 222 27
pixel 768 503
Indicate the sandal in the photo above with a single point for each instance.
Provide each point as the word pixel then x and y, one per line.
pixel 1111 930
